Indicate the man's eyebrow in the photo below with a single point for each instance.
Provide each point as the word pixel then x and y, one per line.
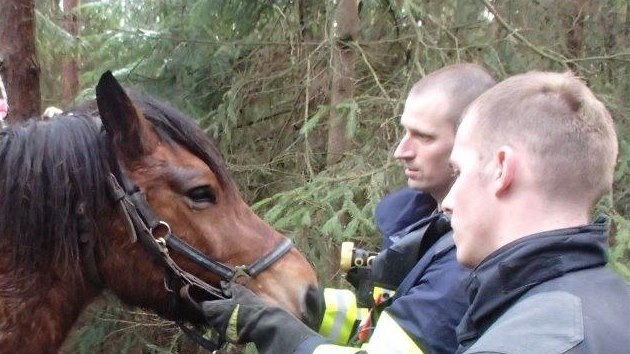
pixel 420 132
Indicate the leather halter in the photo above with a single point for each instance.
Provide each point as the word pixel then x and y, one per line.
pixel 141 218
pixel 238 273
pixel 157 238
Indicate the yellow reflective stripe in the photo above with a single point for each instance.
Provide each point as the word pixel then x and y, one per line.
pixel 389 337
pixel 340 314
pixel 389 347
pixel 335 349
pixel 362 313
pixel 231 332
pixel 378 291
pixel 330 313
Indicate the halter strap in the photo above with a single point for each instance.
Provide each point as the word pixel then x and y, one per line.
pixel 152 238
pixel 141 217
pixel 157 238
pixel 225 272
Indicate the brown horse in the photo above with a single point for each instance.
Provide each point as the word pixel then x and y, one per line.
pixel 66 233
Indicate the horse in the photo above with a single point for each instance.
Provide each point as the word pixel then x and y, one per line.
pixel 130 195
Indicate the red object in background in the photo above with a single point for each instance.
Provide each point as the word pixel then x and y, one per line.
pixel 4 108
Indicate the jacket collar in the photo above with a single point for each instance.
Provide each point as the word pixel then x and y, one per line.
pixel 514 269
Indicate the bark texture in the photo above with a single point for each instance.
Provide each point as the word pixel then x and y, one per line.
pixel 18 59
pixel 345 30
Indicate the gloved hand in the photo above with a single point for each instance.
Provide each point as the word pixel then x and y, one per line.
pixel 245 318
pixel 361 279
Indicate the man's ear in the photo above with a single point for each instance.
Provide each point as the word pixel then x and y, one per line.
pixel 503 170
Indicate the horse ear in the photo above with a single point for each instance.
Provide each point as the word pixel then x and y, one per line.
pixel 128 129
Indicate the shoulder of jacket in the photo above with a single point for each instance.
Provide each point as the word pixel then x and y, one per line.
pixel 548 322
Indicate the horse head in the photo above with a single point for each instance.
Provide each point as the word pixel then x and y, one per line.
pixel 68 208
pixel 185 182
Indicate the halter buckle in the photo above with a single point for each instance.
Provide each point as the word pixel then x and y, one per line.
pixel 241 275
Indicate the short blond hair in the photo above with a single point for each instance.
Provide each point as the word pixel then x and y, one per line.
pixel 569 133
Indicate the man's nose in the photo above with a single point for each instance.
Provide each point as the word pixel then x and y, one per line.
pixel 403 151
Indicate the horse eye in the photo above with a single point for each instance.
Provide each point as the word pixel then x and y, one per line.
pixel 201 194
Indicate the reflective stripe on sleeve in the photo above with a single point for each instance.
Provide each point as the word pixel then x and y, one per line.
pixel 362 314
pixel 336 349
pixel 382 293
pixel 340 315
pixel 389 337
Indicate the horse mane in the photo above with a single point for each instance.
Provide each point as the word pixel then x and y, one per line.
pixel 48 168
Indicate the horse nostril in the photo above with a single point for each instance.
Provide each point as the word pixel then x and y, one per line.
pixel 315 306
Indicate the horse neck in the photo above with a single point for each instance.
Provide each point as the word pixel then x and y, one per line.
pixel 38 319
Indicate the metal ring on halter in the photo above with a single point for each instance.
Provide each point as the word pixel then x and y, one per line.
pixel 161 231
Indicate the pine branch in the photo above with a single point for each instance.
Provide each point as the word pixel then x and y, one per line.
pixel 514 32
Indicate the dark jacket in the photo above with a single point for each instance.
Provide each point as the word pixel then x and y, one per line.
pixel 548 293
pixel 430 295
pixel 400 209
pixel 431 299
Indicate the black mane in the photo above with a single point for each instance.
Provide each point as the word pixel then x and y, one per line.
pixel 48 168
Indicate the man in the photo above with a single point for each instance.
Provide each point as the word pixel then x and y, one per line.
pixel 534 155
pixel 430 300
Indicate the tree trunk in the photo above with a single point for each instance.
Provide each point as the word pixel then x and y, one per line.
pixel 70 78
pixel 608 19
pixel 574 19
pixel 18 59
pixel 345 30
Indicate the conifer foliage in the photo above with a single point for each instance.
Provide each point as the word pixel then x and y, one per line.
pixel 259 77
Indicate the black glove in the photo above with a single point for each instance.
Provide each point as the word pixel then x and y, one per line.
pixel 361 279
pixel 245 318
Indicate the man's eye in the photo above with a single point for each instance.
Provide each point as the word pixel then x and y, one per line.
pixel 202 194
pixel 423 137
pixel 455 171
